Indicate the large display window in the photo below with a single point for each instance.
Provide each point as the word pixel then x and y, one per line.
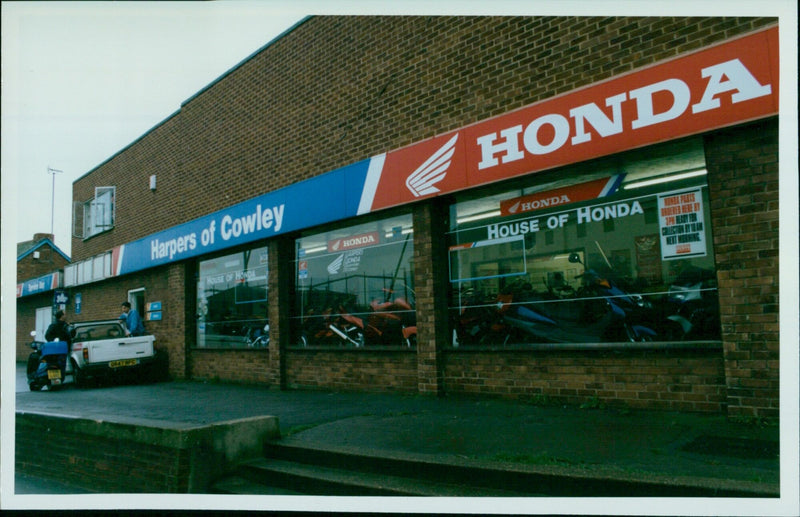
pixel 618 251
pixel 355 286
pixel 232 300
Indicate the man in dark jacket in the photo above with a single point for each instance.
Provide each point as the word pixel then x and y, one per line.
pixel 59 330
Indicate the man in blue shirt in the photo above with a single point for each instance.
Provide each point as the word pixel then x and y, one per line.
pixel 133 322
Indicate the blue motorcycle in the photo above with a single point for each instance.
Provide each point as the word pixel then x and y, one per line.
pixel 47 364
pixel 600 312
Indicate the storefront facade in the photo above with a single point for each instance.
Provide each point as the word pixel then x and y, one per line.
pixel 550 209
pixel 40 290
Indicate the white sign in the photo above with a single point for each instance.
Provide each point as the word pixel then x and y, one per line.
pixel 682 229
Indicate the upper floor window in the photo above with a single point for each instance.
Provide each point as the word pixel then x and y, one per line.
pixel 95 215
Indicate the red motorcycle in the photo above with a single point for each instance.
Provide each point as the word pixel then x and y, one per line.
pixel 481 323
pixel 331 328
pixel 391 322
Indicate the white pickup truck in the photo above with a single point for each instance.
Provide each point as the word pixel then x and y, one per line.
pixel 100 349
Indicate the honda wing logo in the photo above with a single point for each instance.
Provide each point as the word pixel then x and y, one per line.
pixel 336 265
pixel 422 180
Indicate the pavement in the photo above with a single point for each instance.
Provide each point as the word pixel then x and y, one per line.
pixel 694 449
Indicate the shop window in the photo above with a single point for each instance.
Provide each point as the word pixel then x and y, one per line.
pixel 232 300
pixel 627 256
pixel 355 286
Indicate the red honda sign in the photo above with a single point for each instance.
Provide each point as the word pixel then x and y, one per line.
pixel 730 83
pixel 562 196
pixel 356 241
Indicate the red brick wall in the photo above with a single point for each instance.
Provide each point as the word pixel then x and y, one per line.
pixel 97 463
pixel 687 380
pixel 352 370
pixel 743 182
pixel 247 366
pixel 49 260
pixel 104 456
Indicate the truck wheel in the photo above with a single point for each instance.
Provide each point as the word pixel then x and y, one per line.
pixel 79 376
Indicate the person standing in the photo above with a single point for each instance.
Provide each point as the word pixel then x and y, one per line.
pixel 133 322
pixel 59 330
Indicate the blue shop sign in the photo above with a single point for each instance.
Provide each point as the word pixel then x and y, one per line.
pixel 330 197
pixel 61 297
pixel 38 285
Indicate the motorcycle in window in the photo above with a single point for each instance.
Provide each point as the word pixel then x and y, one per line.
pixel 256 337
pixel 692 303
pixel 390 322
pixel 329 328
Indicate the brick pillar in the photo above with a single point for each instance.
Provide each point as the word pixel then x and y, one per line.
pixel 281 278
pixel 183 283
pixel 743 180
pixel 430 284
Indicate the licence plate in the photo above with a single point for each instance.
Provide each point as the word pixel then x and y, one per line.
pixel 54 374
pixel 123 362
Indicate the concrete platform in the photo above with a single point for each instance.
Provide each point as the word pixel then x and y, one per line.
pixel 687 449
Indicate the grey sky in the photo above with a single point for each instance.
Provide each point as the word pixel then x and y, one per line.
pixel 81 81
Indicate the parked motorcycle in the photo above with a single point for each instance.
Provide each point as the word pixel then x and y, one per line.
pixel 600 311
pixel 480 321
pixel 257 337
pixel 47 364
pixel 390 323
pixel 692 304
pixel 331 328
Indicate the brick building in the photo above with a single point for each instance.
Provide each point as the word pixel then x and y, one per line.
pixel 40 270
pixel 549 208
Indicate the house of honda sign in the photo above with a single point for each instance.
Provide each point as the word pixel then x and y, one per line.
pixel 733 82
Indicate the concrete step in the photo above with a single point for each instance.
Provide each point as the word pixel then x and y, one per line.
pixel 289 469
pixel 321 480
pixel 440 476
pixel 301 469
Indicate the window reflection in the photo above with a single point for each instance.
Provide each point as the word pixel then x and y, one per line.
pixel 232 300
pixel 355 286
pixel 621 257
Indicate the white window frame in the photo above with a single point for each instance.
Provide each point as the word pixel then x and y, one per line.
pixel 99 212
pixel 89 270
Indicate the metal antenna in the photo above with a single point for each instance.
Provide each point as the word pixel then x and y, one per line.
pixel 52 171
